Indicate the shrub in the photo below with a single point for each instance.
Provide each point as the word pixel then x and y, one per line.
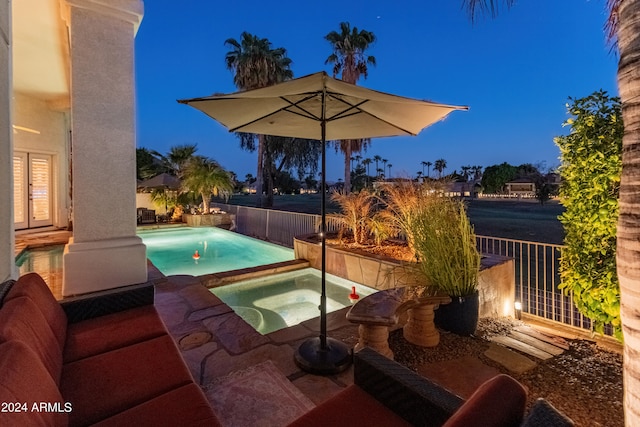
pixel 590 171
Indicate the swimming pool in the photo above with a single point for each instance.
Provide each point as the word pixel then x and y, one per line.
pixel 172 250
pixel 279 301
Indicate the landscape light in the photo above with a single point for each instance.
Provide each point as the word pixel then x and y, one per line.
pixel 518 307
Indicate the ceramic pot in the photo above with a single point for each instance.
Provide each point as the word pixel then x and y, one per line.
pixel 460 316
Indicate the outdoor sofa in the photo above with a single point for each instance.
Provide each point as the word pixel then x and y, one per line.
pixel 388 394
pixel 106 360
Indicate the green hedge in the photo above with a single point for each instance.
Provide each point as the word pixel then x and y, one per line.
pixel 590 171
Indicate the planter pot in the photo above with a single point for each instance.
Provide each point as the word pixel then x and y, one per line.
pixel 460 316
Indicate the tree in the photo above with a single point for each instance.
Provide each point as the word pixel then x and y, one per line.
pixel 256 64
pixel 389 166
pixel 496 176
pixel 591 164
pixel 622 27
pixel 349 59
pixel 465 172
pixel 440 165
pixel 477 172
pixel 205 177
pixel 377 159
pixel 148 164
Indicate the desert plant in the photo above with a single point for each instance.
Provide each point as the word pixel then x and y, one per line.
pixel 445 243
pixel 401 202
pixel 356 211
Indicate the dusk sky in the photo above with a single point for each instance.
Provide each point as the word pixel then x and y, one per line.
pixel 514 72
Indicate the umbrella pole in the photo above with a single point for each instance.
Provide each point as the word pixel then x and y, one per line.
pixel 323 355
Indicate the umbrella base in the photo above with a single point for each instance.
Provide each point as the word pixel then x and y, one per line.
pixel 333 359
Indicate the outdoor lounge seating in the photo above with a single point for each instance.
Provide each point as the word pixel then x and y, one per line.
pixel 386 393
pixel 105 360
pixel 146 216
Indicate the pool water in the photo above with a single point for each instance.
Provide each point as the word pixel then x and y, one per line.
pixel 172 250
pixel 46 261
pixel 283 300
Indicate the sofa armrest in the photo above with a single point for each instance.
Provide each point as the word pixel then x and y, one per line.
pixel 106 302
pixel 415 398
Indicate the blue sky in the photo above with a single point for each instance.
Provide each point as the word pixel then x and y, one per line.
pixel 514 72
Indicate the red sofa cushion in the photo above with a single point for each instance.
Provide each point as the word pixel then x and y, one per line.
pixel 498 402
pixel 112 331
pixel 184 406
pixel 102 386
pixel 35 288
pixel 351 407
pixel 26 380
pixel 21 320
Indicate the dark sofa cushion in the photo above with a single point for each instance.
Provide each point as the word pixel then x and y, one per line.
pixel 21 320
pixel 112 331
pixel 184 406
pixel 351 407
pixel 26 380
pixel 102 386
pixel 498 402
pixel 35 288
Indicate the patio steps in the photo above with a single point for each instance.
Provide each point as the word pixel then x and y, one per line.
pixel 524 339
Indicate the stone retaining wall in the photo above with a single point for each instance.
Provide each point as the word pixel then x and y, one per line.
pixel 496 278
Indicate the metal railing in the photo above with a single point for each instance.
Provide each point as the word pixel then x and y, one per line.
pixel 537 277
pixel 537 274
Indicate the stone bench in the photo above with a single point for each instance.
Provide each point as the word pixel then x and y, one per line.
pixel 377 312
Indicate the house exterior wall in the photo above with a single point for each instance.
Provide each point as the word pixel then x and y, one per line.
pixel 52 138
pixel 8 268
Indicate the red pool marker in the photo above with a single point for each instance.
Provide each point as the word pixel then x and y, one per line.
pixel 353 296
pixel 196 256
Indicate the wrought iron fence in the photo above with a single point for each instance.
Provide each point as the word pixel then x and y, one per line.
pixel 537 274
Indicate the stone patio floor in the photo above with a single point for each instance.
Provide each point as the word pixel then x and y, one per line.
pixel 215 341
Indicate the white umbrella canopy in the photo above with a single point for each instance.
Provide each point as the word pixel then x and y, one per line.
pixel 322 108
pixel 350 112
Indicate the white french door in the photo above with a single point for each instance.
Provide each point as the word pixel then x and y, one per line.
pixel 32 198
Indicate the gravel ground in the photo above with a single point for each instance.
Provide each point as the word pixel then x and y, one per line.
pixel 584 382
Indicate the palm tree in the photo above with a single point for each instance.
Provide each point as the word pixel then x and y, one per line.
pixel 256 64
pixel 465 172
pixel 477 172
pixel 384 164
pixel 348 58
pixel 389 166
pixel 622 27
pixel 178 158
pixel 440 165
pixel 418 175
pixel 206 177
pixel 377 159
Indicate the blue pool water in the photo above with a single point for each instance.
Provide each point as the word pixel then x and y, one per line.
pixel 279 301
pixel 172 250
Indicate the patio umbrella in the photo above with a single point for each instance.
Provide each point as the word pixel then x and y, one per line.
pixel 322 108
pixel 164 182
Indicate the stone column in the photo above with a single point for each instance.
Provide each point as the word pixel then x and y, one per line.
pixel 104 252
pixel 7 236
pixel 375 337
pixel 420 329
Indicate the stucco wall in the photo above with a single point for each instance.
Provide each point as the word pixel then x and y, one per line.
pixel 48 136
pixel 7 262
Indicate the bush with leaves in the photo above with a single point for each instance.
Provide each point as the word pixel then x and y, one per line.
pixel 591 167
